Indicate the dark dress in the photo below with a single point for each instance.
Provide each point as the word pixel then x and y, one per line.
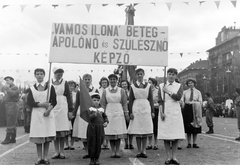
pixel 188 119
pixel 95 133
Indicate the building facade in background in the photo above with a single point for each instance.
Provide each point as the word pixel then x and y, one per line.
pixel 197 70
pixel 224 64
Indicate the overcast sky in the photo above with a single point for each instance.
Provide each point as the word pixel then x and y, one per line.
pixel 192 28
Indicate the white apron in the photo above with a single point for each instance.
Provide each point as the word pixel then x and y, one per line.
pixel 172 127
pixel 114 112
pixel 142 122
pixel 61 109
pixel 41 126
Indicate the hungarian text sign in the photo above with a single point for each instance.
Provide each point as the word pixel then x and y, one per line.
pixel 109 44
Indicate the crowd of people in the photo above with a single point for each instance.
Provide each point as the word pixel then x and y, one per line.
pixel 145 110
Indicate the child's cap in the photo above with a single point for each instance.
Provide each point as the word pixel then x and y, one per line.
pixel 95 95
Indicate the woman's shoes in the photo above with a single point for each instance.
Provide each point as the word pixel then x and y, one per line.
pixel 155 147
pixel 46 162
pixel 175 161
pixel 189 146
pixel 238 139
pixel 141 155
pixel 86 156
pixel 62 156
pixel 126 146
pixel 40 162
pixel 179 148
pixel 168 161
pixel 131 147
pixel 148 147
pixel 56 156
pixel 195 146
pixel 67 148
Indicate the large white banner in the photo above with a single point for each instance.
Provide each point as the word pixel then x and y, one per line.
pixel 109 44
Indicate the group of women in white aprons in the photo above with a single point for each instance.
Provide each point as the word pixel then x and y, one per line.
pixel 137 109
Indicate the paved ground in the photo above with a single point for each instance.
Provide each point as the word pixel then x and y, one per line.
pixel 217 149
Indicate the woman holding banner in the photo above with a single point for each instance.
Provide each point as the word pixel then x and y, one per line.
pixel 114 101
pixel 141 111
pixel 170 123
pixel 62 111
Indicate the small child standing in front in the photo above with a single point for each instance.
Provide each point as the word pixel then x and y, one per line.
pixel 95 129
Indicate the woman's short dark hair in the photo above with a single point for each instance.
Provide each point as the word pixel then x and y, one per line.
pixel 154 81
pixel 70 83
pixel 208 94
pixel 128 84
pixel 39 70
pixel 172 70
pixel 87 75
pixel 102 79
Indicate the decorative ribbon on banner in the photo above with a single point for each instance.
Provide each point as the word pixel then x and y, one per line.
pixel 186 3
pixel 181 54
pixel 169 4
pixel 135 4
pixel 104 5
pixel 234 3
pixel 4 6
pixel 22 7
pixel 36 6
pixel 217 3
pixel 88 6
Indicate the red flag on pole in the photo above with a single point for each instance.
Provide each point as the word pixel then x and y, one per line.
pixel 85 102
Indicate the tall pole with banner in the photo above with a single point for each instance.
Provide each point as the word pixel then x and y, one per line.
pixel 129 69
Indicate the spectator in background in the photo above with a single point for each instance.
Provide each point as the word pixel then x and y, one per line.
pixel 210 110
pixel 2 110
pixel 237 104
pixel 125 85
pixel 153 83
pixel 27 111
pixel 228 103
pixel 11 107
pixel 20 117
pixel 104 83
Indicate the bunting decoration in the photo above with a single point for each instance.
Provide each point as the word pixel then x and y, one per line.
pixel 36 6
pixel 217 3
pixel 88 6
pixel 22 7
pixel 120 4
pixel 181 54
pixel 4 6
pixel 54 6
pixel 200 2
pixel 154 2
pixel 169 5
pixel 69 5
pixel 234 3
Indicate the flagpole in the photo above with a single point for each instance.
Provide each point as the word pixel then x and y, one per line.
pixel 164 79
pixel 49 81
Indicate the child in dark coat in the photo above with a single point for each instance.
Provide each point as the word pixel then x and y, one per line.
pixel 95 130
